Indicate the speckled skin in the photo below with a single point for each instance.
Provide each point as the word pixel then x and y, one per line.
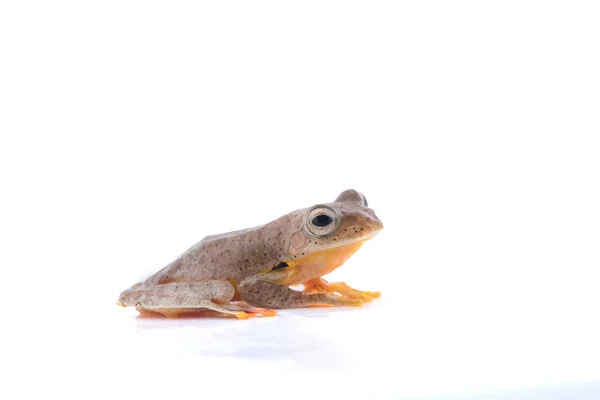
pixel 240 264
pixel 233 255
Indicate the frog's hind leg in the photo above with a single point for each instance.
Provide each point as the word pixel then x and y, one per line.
pixel 177 298
pixel 264 293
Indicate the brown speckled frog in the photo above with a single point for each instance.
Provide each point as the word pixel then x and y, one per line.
pixel 231 272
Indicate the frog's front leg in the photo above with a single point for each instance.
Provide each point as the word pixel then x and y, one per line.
pixel 177 298
pixel 320 285
pixel 263 292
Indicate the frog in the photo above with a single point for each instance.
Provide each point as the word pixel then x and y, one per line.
pixel 256 271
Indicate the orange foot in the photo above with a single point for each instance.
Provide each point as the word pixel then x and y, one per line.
pixel 320 285
pixel 254 312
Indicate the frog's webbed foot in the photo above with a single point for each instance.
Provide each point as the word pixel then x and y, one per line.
pixel 320 285
pixel 202 308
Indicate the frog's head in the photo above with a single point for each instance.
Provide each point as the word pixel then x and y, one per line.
pixel 345 221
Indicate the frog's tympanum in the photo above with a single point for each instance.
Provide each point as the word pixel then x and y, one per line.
pixel 249 272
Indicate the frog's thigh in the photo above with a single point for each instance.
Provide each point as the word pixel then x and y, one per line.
pixel 176 297
pixel 264 293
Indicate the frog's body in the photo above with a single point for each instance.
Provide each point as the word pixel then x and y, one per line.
pixel 258 265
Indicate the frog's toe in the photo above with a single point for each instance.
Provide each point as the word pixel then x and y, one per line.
pixel 365 293
pixel 250 312
pixel 266 312
pixel 241 315
pixel 354 302
pixel 345 290
pixel 349 301
pixel 364 296
pixel 256 311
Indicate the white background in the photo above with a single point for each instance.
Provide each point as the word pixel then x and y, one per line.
pixel 131 129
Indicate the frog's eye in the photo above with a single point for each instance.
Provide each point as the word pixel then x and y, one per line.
pixel 321 220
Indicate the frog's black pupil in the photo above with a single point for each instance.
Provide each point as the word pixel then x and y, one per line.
pixel 365 199
pixel 322 220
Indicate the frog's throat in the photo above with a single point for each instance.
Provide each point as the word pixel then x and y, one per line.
pixel 313 265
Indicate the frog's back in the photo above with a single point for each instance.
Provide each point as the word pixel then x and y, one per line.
pixel 234 255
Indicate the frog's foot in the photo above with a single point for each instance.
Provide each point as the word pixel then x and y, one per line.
pixel 320 285
pixel 240 312
pixel 249 311
pixel 205 308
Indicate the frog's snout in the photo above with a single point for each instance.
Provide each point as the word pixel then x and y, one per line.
pixel 379 224
pixel 375 223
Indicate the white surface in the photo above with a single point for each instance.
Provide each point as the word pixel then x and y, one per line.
pixel 386 350
pixel 129 130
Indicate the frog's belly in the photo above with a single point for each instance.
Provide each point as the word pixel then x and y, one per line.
pixel 319 263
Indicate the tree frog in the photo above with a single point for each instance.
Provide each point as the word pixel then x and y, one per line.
pixel 249 272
